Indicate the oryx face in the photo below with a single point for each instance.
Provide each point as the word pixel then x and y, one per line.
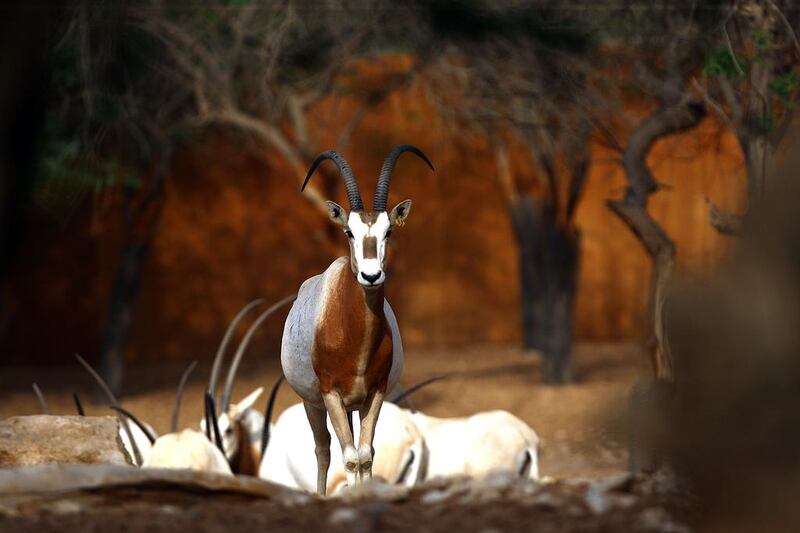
pixel 367 231
pixel 367 234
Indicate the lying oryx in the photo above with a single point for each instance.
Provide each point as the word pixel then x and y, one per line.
pixel 240 424
pixel 400 452
pixel 187 449
pixel 479 444
pixel 191 449
pixel 476 445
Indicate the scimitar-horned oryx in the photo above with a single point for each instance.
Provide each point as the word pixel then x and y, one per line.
pixel 341 347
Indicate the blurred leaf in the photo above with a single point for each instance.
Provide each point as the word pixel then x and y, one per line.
pixel 721 63
pixel 762 41
pixel 133 181
pixel 785 85
pixel 766 122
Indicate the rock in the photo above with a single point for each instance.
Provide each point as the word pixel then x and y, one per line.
pixel 343 515
pixel 498 480
pixel 42 439
pixel 373 489
pixel 616 482
pixel 603 494
pixel 665 482
pixel 50 478
pixel 435 496
pixel 597 499
pixel 547 499
pixel 657 519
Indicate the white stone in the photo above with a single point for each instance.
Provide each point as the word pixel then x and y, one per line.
pixel 43 439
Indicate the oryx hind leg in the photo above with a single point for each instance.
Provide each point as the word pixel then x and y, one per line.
pixel 322 443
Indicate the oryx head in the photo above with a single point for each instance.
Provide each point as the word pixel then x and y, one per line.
pixel 367 231
pixel 233 418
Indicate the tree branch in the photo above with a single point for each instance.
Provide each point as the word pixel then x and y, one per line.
pixel 504 175
pixel 723 221
pixel 666 120
pixel 274 138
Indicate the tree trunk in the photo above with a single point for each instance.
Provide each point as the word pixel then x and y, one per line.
pixel 23 101
pixel 649 401
pixel 632 210
pixel 120 312
pixel 141 226
pixel 757 152
pixel 548 259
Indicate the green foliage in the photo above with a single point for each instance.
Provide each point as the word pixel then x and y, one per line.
pixel 68 171
pixel 765 122
pixel 762 41
pixel 785 85
pixel 720 62
pixel 89 141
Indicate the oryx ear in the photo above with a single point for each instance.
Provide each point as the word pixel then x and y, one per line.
pixel 336 213
pixel 400 212
pixel 246 402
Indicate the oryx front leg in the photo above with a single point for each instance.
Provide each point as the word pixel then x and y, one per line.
pixel 322 443
pixel 341 425
pixel 369 417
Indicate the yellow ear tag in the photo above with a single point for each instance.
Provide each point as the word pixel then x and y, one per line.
pixel 401 221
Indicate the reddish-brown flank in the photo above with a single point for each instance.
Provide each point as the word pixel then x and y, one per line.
pixel 353 343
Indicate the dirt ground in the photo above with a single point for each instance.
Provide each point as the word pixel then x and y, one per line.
pixel 635 504
pixel 582 426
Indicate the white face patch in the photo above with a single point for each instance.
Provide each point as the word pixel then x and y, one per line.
pixel 368 246
pixel 226 431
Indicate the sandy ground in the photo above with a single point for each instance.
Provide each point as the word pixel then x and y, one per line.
pixel 582 426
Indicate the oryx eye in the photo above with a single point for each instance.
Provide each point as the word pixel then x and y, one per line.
pixel 349 234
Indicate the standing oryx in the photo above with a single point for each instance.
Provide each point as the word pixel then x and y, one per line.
pixel 341 346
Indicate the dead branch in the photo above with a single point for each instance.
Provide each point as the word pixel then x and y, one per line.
pixel 723 221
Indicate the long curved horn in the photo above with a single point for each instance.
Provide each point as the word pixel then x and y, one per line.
pixel 353 194
pixel 78 404
pixel 268 415
pixel 382 188
pixel 223 346
pixel 226 392
pixel 211 417
pixel 137 454
pixel 176 409
pixel 42 401
pixel 411 390
pixel 147 433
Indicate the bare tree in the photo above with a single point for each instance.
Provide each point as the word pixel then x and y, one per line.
pixel 167 70
pixel 260 67
pixel 111 134
pixel 520 82
pixel 751 80
pixel 664 47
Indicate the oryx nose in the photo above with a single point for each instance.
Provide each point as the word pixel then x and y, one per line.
pixel 371 277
